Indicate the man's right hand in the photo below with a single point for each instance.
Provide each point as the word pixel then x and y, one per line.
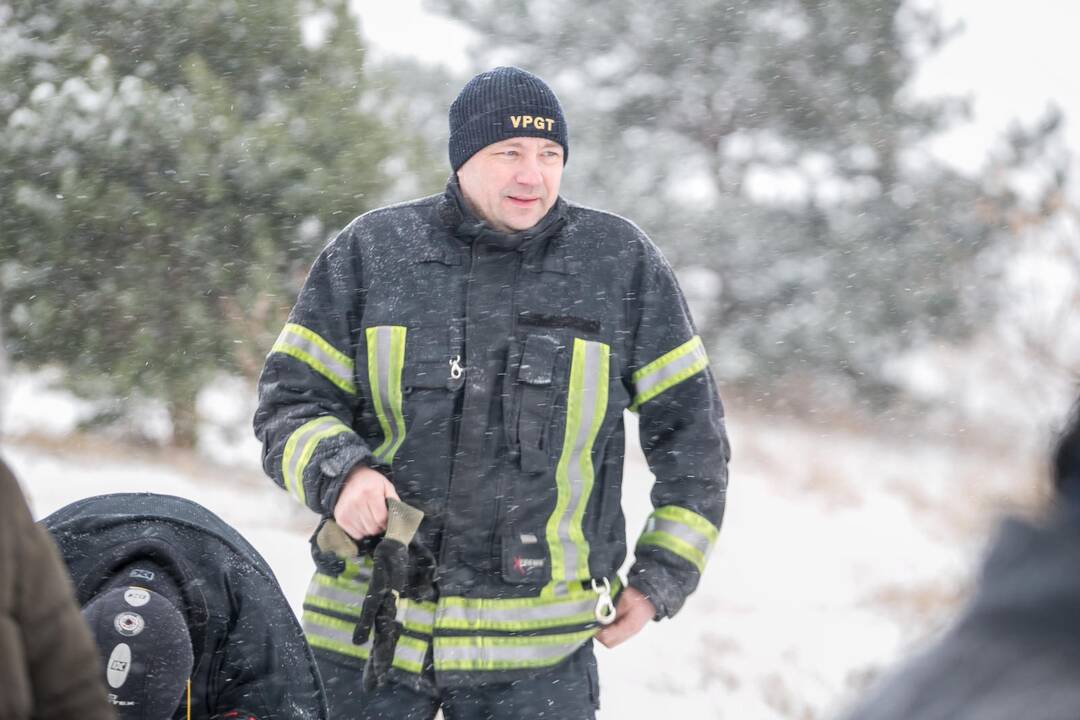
pixel 361 506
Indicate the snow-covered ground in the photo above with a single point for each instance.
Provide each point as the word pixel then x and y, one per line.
pixel 840 551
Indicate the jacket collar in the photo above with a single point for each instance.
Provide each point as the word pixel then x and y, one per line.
pixel 464 224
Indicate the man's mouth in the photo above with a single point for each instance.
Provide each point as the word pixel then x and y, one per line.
pixel 522 201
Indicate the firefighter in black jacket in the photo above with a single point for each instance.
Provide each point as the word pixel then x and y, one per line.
pixel 188 618
pixel 472 354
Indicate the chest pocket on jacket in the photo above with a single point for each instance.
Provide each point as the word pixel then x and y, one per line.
pixel 536 369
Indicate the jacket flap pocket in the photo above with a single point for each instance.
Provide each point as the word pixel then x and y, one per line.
pixel 427 358
pixel 538 360
pixel 426 374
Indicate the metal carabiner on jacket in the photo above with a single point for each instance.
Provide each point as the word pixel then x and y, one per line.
pixel 456 371
pixel 605 608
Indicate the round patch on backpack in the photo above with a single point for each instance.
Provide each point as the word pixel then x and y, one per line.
pixel 136 596
pixel 129 624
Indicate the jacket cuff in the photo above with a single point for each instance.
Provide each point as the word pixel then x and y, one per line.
pixel 652 581
pixel 335 469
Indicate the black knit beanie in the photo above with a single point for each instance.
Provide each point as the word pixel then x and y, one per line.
pixel 503 103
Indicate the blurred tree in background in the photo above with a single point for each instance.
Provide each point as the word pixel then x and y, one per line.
pixel 773 150
pixel 168 170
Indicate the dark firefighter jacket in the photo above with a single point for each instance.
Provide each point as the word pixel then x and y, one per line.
pixel 487 374
pixel 251 658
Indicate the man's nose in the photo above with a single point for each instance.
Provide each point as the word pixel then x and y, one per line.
pixel 528 172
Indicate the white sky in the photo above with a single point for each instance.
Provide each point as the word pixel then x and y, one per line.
pixel 1013 58
pixel 404 28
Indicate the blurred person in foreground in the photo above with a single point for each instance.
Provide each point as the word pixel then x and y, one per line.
pixel 471 354
pixel 188 618
pixel 1014 652
pixel 48 662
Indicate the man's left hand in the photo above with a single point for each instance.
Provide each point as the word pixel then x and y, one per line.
pixel 632 612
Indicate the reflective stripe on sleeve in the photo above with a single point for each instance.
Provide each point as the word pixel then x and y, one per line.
pixel 306 346
pixel 682 532
pixel 301 446
pixel 386 358
pixel 586 406
pixel 505 653
pixel 669 370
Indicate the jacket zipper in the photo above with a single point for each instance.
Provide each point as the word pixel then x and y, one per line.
pixel 459 402
pixel 494 545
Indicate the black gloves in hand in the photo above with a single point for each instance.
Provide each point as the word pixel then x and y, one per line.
pixel 391 572
pixel 388 575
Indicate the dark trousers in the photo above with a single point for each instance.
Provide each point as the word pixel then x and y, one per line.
pixel 569 691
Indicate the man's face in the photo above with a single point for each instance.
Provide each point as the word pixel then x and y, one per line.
pixel 513 183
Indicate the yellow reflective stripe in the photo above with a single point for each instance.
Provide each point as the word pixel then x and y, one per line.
pixel 409 654
pixel 357 571
pixel 317 641
pixel 301 446
pixel 575 609
pixel 349 609
pixel 386 359
pixel 340 594
pixel 586 406
pixel 673 544
pixel 690 519
pixel 682 532
pixel 506 653
pixel 669 370
pixel 308 347
pixel 356 584
pixel 416 615
pixel 332 634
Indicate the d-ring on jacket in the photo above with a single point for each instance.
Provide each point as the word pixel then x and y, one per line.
pixel 486 375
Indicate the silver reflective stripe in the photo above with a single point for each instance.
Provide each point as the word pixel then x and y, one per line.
pixel 309 348
pixel 480 616
pixel 338 633
pixel 683 532
pixel 410 651
pixel 492 654
pixel 354 599
pixel 415 617
pixel 298 455
pixel 586 406
pixel 386 344
pixel 668 371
